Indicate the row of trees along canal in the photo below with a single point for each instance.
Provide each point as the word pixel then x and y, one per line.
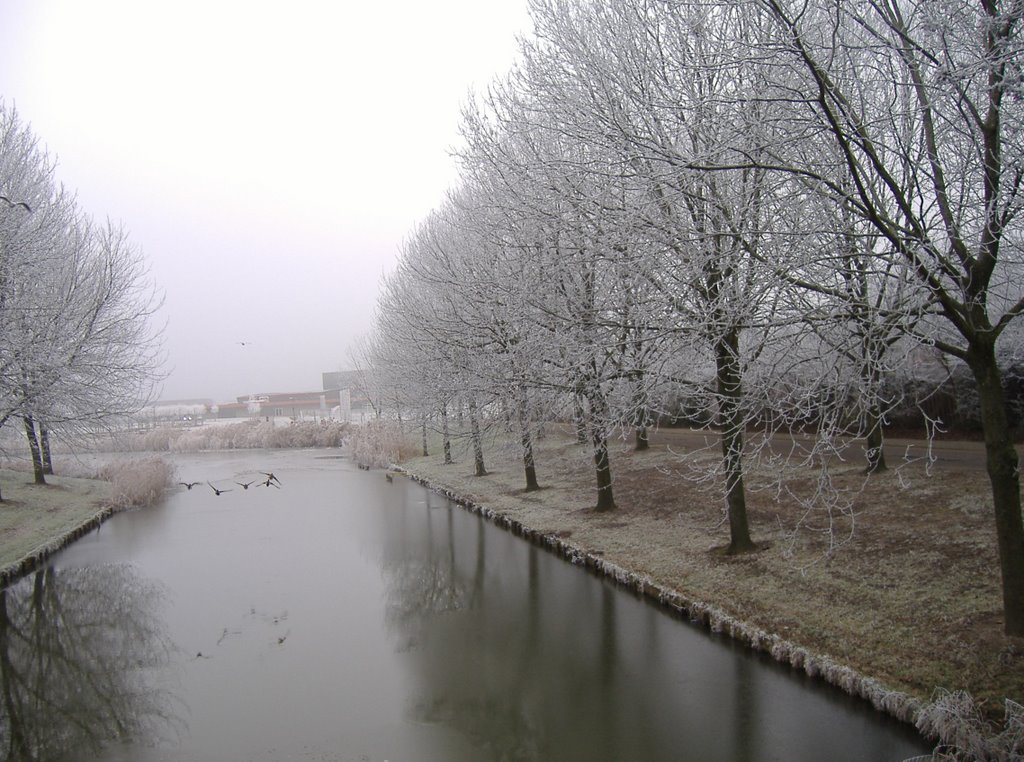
pixel 761 206
pixel 77 349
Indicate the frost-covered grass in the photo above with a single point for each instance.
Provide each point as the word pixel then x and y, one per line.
pixel 911 600
pixel 32 515
pixel 236 436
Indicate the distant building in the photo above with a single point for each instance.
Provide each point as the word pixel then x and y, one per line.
pixel 340 379
pixel 299 406
pixel 186 412
pixel 358 407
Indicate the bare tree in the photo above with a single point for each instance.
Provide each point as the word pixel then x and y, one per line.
pixel 648 87
pixel 78 349
pixel 923 102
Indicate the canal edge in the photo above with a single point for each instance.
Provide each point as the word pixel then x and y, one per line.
pixel 896 704
pixel 28 563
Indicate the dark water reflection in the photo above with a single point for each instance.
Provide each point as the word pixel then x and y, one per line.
pixel 530 658
pixel 345 618
pixel 80 650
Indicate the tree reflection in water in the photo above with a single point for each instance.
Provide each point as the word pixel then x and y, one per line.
pixel 505 652
pixel 436 610
pixel 421 586
pixel 78 652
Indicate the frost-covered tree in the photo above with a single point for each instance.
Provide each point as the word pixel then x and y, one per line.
pixel 482 252
pixel 923 102
pixel 645 86
pixel 105 347
pixel 560 244
pixel 77 346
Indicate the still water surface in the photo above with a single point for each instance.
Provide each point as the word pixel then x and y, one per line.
pixel 341 617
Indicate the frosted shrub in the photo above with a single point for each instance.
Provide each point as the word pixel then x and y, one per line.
pixel 137 483
pixel 238 436
pixel 192 440
pixel 244 436
pixel 380 443
pixel 956 720
pixel 286 436
pixel 157 440
pixel 329 436
pixel 150 440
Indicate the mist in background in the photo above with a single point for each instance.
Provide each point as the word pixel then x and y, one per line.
pixel 268 159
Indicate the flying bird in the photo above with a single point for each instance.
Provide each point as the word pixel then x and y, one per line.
pixel 269 483
pixel 218 491
pixel 245 485
pixel 188 485
pixel 22 204
pixel 270 477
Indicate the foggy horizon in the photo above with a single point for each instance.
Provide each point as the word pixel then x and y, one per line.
pixel 268 164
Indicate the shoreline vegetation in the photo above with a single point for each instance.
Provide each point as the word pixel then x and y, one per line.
pixel 903 610
pixel 243 435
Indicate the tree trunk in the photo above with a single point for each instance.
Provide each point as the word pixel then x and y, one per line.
pixel 579 418
pixel 730 422
pixel 602 463
pixel 528 465
pixel 44 446
pixel 642 415
pixel 33 445
pixel 524 428
pixel 478 448
pixel 446 439
pixel 424 429
pixel 506 416
pixel 1002 463
pixel 873 442
pixel 643 441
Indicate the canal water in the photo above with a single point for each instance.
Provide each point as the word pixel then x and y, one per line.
pixel 338 616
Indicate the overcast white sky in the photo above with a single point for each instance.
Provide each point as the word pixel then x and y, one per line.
pixel 268 158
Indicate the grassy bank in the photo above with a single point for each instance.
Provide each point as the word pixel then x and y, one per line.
pixel 911 599
pixel 39 519
pixel 34 518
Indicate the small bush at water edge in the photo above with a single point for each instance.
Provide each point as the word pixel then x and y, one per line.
pixel 137 483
